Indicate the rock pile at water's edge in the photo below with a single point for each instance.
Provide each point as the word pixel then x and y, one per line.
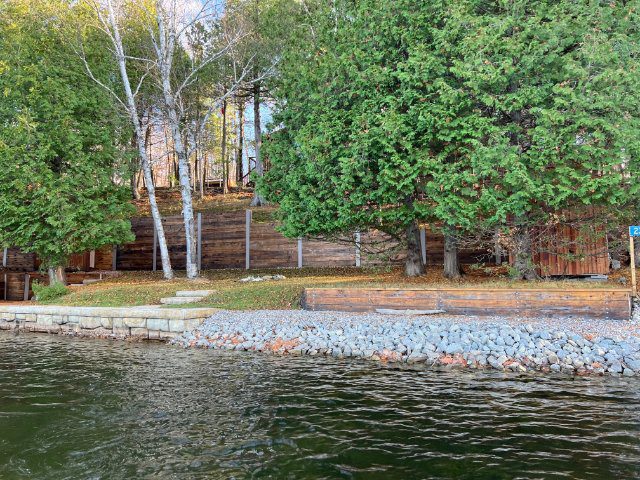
pixel 442 342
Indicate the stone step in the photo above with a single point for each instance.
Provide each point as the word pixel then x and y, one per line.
pixel 179 300
pixel 89 281
pixel 76 284
pixel 194 293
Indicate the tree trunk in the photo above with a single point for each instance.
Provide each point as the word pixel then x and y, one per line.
pixel 523 266
pixel 135 193
pixel 185 184
pixel 413 265
pixel 135 166
pixel 197 184
pixel 232 164
pixel 165 56
pixel 223 150
pixel 452 267
pixel 240 144
pixel 203 173
pixel 146 168
pixel 258 199
pixel 57 275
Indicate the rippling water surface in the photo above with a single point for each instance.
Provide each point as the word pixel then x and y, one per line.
pixel 73 408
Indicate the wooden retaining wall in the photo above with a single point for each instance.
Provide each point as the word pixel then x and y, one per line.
pixel 586 303
pixel 18 286
pixel 235 240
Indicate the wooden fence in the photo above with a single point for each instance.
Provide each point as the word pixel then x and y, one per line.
pixel 235 240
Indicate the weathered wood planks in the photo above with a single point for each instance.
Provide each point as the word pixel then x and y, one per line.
pixel 223 244
pixel 586 303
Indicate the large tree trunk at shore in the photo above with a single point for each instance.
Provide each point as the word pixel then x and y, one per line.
pixel 258 200
pixel 523 266
pixel 413 265
pixel 452 267
pixel 142 151
pixel 57 275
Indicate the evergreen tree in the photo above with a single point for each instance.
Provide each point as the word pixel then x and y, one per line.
pixel 467 115
pixel 61 155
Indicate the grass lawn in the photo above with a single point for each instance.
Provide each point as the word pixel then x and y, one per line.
pixel 146 288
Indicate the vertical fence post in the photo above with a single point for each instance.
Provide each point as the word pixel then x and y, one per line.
pixel 632 255
pixel 114 258
pixel 358 253
pixel 299 252
pixel 92 259
pixel 199 241
pixel 5 255
pixel 6 286
pixel 247 240
pixel 27 279
pixel 423 244
pixel 154 255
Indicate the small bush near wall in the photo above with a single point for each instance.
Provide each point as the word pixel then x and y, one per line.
pixel 44 293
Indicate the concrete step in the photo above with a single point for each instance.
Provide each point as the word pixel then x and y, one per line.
pixel 89 281
pixel 194 293
pixel 179 300
pixel 76 285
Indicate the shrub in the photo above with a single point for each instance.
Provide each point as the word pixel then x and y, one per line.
pixel 45 293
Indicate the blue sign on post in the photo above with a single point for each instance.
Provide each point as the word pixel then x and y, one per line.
pixel 634 231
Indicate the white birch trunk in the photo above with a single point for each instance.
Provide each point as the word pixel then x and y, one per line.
pixel 140 140
pixel 165 50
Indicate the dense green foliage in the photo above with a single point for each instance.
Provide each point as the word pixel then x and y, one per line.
pixel 60 139
pixel 45 293
pixel 470 115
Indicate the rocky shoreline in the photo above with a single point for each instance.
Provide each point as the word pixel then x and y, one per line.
pixel 565 345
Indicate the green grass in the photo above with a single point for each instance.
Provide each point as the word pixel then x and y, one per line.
pixel 146 288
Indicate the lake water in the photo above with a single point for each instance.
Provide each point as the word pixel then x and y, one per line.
pixel 75 408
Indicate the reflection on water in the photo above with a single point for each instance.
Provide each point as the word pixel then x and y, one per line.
pixel 74 408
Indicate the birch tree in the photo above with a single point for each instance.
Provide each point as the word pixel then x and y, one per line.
pixel 110 17
pixel 169 38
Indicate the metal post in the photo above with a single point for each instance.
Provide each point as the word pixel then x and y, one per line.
pixel 358 259
pixel 5 256
pixel 92 259
pixel 247 240
pixel 634 286
pixel 27 279
pixel 154 257
pixel 199 241
pixel 299 252
pixel 6 286
pixel 423 244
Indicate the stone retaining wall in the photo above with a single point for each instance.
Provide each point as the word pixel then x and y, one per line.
pixel 152 323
